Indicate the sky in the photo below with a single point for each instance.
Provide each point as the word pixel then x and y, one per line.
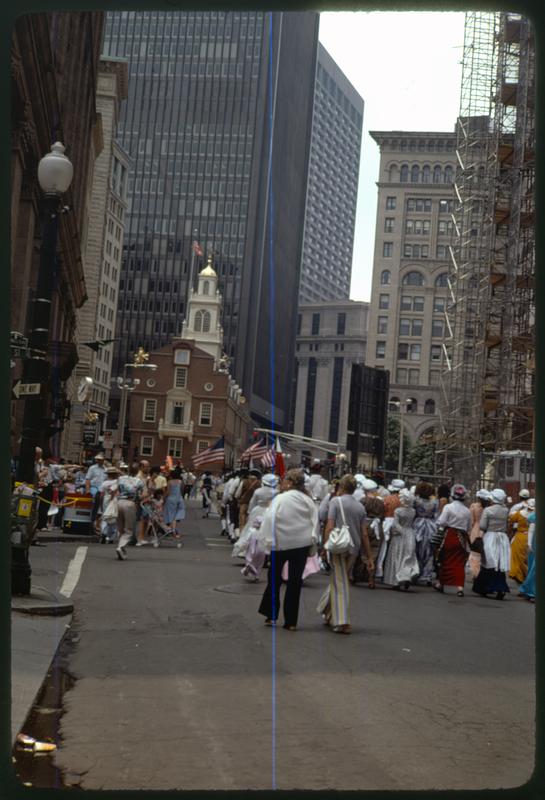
pixel 407 68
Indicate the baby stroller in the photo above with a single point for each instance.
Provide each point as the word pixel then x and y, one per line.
pixel 159 531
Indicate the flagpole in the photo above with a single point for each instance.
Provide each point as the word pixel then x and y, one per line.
pixel 192 266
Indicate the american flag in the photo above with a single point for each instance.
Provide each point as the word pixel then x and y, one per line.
pixel 269 458
pixel 197 249
pixel 255 452
pixel 212 455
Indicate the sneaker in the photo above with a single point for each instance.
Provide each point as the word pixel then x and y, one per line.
pixel 142 543
pixel 121 554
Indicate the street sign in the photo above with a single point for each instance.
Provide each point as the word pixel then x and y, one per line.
pixel 18 339
pixel 24 389
pixel 89 433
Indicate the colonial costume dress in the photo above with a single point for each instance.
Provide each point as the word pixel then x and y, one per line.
pixel 519 544
pixel 425 527
pixel 455 519
pixel 496 553
pixel 528 588
pixel 400 564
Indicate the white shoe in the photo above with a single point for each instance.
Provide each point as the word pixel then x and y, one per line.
pixel 142 543
pixel 121 554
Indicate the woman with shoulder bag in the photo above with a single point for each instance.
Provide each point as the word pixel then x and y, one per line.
pixel 344 512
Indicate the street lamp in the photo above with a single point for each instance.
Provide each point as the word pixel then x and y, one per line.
pixel 402 407
pixel 128 384
pixel 55 173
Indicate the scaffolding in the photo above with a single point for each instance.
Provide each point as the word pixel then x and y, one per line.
pixel 487 385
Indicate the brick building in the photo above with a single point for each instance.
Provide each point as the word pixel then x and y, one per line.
pixel 191 400
pixel 54 63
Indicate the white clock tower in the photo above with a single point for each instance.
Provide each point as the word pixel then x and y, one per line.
pixel 202 323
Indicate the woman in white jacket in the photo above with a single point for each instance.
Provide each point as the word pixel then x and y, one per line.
pixel 288 528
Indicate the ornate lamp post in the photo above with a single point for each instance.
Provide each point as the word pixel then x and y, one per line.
pixel 55 173
pixel 127 385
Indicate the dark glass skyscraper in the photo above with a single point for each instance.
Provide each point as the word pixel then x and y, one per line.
pixel 217 128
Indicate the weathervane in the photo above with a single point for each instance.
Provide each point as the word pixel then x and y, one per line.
pixel 140 357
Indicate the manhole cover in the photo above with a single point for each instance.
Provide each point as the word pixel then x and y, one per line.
pixel 236 588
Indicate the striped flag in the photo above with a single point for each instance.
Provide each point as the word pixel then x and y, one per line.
pixel 269 458
pixel 197 249
pixel 212 455
pixel 255 452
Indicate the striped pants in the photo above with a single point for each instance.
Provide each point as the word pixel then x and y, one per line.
pixel 335 601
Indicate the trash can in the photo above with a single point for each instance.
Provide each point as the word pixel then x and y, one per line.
pixel 77 514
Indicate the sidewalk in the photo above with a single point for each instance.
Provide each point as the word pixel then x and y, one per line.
pixel 38 623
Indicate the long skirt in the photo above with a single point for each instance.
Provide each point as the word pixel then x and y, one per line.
pixel 424 529
pixel 173 510
pixel 255 558
pixel 489 581
pixel 386 533
pixel 452 560
pixel 400 564
pixel 519 557
pixel 335 601
pixel 528 588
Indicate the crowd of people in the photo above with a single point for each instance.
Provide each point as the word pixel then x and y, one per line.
pixel 401 537
pixel 353 528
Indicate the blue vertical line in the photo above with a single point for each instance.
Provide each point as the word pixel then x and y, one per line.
pixel 271 368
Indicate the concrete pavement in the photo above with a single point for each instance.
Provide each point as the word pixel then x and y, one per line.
pixel 180 685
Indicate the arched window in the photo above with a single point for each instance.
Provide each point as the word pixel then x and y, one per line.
pixel 404 175
pixel 198 321
pixel 448 174
pixel 394 401
pixel 412 406
pixel 393 173
pixel 426 174
pixel 206 287
pixel 385 276
pixel 413 279
pixel 429 406
pixel 206 319
pixel 437 174
pixel 442 280
pixel 415 173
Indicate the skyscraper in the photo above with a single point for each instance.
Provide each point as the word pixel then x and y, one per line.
pixel 332 185
pixel 219 137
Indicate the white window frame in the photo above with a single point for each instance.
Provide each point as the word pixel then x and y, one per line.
pixel 177 404
pixel 202 445
pixel 205 403
pixel 145 416
pixel 175 450
pixel 182 357
pixel 178 371
pixel 143 450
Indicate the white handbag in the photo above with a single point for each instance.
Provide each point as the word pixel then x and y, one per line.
pixel 339 540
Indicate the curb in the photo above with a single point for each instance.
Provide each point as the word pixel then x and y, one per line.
pixel 44 603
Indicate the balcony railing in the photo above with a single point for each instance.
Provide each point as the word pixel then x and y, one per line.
pixel 184 430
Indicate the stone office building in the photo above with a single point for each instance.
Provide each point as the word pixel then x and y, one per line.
pixel 331 337
pixel 409 288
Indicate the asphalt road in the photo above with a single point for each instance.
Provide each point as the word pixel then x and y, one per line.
pixel 179 685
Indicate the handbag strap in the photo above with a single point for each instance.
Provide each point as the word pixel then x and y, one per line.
pixel 342 510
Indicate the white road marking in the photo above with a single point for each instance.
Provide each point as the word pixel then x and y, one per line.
pixel 219 544
pixel 73 572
